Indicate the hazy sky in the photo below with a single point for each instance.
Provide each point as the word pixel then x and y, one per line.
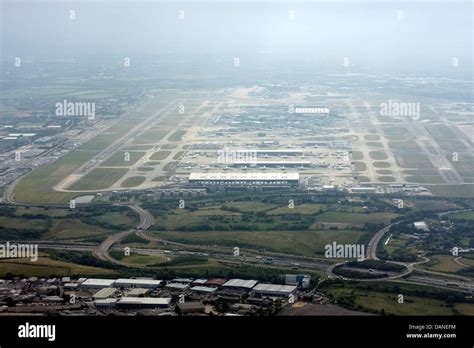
pixel 368 33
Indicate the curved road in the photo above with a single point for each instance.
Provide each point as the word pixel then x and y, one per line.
pixel 146 221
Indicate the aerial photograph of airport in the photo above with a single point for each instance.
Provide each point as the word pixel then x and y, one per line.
pixel 237 159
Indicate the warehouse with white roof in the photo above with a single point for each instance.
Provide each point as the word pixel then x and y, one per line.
pixel 274 290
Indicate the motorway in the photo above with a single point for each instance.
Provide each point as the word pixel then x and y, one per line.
pixel 225 255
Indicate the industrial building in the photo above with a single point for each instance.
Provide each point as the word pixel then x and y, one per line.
pixel 274 290
pixel 240 284
pixel 312 110
pixel 144 302
pixel 203 289
pixel 245 179
pixel 104 293
pixel 138 283
pixel 97 283
pixel 272 164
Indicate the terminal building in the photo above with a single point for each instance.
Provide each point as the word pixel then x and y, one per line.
pixel 269 179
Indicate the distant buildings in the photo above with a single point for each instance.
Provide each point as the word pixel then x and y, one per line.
pixel 245 179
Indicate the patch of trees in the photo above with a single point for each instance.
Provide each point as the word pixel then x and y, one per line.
pixel 378 265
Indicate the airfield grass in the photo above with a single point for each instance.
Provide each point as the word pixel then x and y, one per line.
pixel 380 164
pixel 362 178
pixel 160 155
pixel 371 137
pixel 36 187
pixel 386 178
pixel 374 144
pixel 145 169
pixel 152 163
pixel 169 146
pixel 45 267
pixel 73 229
pixel 396 132
pixel 177 135
pixel 464 165
pixel 357 155
pixel 99 178
pixel 378 155
pixel 413 161
pixel 178 155
pixel 151 136
pixel 170 166
pixel 118 159
pixel 290 242
pixel 360 166
pixel 404 146
pixel 159 178
pixel 133 181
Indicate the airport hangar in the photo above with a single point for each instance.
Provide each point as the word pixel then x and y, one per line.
pixel 268 179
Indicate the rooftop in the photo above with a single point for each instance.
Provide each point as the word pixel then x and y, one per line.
pixel 245 176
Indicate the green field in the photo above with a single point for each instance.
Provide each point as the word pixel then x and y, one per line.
pixel 178 155
pixel 151 136
pixel 386 179
pixel 357 155
pixel 23 224
pixel 99 178
pixel 118 159
pixel 376 301
pixel 176 136
pixel 290 242
pixel 374 144
pixel 379 164
pixel 413 161
pixel 355 219
pixel 371 137
pixel 133 181
pixel 36 186
pixel 360 166
pixel 441 263
pixel 45 267
pixel 378 155
pixel 73 229
pixel 160 155
pixel 143 260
